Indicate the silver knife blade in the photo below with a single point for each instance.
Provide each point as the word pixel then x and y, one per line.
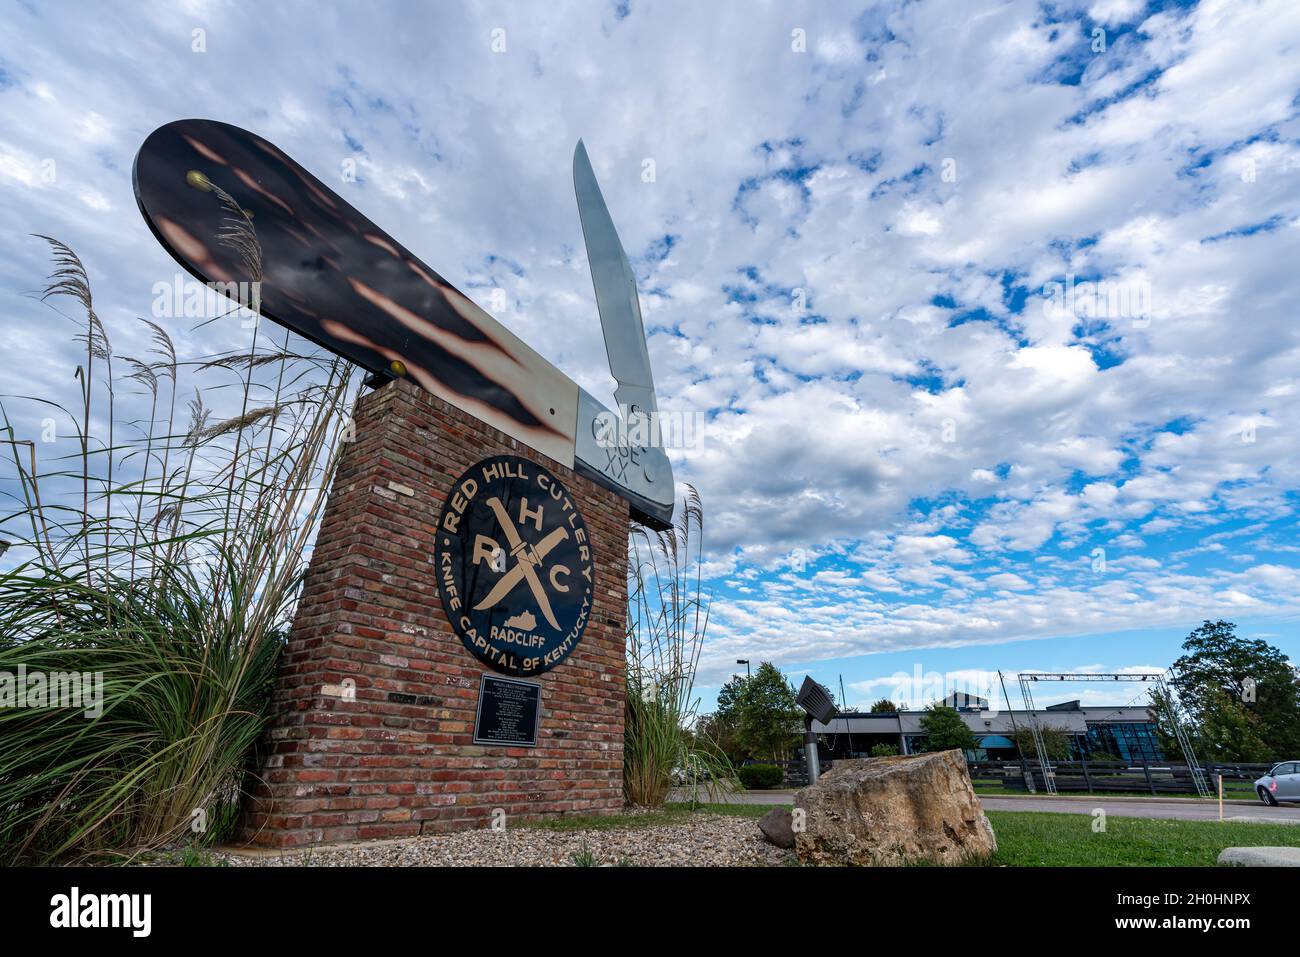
pixel 607 452
pixel 616 297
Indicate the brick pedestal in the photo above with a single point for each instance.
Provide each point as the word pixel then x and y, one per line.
pixel 399 758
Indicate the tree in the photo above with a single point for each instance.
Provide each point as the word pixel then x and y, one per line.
pixel 729 696
pixel 723 726
pixel 1056 741
pixel 723 735
pixel 770 716
pixel 884 706
pixel 1229 732
pixel 883 750
pixel 1240 695
pixel 757 717
pixel 1225 730
pixel 944 729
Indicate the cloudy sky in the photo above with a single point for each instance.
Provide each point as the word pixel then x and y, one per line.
pixel 988 304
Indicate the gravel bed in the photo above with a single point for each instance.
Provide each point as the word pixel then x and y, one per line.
pixel 712 841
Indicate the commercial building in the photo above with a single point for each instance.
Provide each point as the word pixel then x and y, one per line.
pixel 1125 732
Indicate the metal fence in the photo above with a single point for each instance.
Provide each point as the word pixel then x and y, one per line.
pixel 1138 777
pixel 1123 777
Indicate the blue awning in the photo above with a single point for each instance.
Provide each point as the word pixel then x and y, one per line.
pixel 996 741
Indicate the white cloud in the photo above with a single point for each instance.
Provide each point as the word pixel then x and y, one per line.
pixel 949 454
pixel 1113 12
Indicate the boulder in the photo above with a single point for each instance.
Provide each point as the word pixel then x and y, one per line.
pixel 893 811
pixel 778 827
pixel 1260 856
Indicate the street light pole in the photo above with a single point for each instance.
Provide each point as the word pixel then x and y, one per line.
pixel 745 662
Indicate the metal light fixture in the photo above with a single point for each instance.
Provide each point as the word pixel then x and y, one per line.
pixel 745 662
pixel 818 705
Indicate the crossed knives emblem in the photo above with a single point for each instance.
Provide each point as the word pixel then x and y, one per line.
pixel 528 558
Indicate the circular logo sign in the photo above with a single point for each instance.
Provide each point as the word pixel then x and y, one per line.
pixel 514 566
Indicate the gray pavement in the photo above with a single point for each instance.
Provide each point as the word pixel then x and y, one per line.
pixel 1146 807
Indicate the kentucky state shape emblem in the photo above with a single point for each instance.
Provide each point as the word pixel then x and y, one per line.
pixel 514 566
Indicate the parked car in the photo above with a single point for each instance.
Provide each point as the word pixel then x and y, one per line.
pixel 693 773
pixel 1280 784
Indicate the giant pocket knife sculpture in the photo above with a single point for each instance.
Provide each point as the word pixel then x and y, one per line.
pixel 331 275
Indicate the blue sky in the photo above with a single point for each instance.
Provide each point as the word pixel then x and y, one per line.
pixel 867 241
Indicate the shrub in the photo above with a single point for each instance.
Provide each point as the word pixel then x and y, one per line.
pixel 1056 740
pixel 166 568
pixel 884 750
pixel 667 619
pixel 759 777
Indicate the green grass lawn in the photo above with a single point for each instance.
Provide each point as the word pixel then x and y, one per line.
pixel 1043 839
pixel 1039 839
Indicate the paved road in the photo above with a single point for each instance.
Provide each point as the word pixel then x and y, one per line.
pixel 1146 807
pixel 1186 810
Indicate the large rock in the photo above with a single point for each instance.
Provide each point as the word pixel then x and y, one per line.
pixel 893 811
pixel 777 826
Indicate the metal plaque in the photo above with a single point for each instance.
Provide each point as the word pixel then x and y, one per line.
pixel 514 566
pixel 507 712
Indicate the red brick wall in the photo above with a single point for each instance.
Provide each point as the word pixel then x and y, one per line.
pixel 342 770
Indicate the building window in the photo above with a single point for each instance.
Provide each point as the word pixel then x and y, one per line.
pixel 1125 741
